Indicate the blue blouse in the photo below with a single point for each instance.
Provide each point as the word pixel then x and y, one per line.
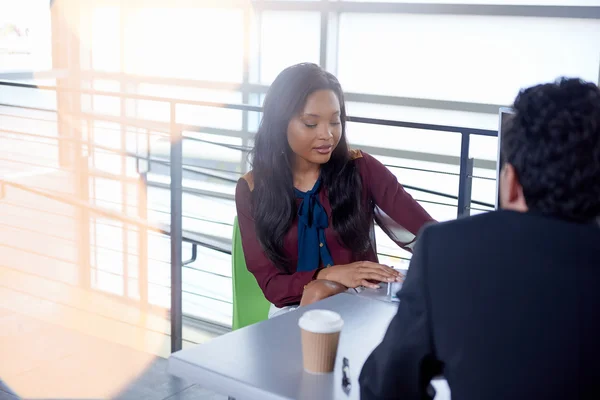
pixel 312 222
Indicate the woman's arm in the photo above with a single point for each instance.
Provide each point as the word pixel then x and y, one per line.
pixel 400 216
pixel 278 287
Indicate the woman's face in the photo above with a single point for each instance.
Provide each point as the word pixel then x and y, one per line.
pixel 315 132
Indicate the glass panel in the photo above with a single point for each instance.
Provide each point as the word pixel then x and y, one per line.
pixel 288 38
pixel 25 97
pixel 106 39
pixel 424 115
pixel 215 117
pixel 406 141
pixel 438 177
pixel 484 182
pixel 188 43
pixel 107 282
pixel 462 58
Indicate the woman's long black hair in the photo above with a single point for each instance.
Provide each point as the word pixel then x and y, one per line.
pixel 273 198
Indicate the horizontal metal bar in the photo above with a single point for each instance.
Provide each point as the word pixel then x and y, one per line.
pixel 116 152
pixel 216 131
pixel 226 145
pixel 482 203
pixel 392 256
pixel 131 96
pixel 438 203
pixel 378 7
pixel 211 242
pixel 421 170
pixel 158 80
pixel 426 157
pixel 71 306
pixel 433 192
pixel 201 192
pixel 190 267
pixel 206 297
pixel 113 250
pixel 481 108
pixel 29 118
pixel 480 209
pixel 194 4
pixel 29 250
pixel 194 322
pixel 30 164
pixel 28 74
pixel 20 205
pixel 498 10
pixel 429 127
pixel 26 107
pixel 194 165
pixel 158 311
pixel 485 178
pixel 77 203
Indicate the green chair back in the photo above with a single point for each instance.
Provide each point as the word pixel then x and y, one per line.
pixel 249 303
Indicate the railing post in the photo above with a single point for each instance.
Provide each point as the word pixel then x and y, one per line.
pixel 464 191
pixel 176 234
pixel 468 187
pixel 143 214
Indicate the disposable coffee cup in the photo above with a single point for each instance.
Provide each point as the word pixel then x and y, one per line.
pixel 320 330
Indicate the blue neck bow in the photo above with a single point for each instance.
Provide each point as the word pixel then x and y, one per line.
pixel 312 222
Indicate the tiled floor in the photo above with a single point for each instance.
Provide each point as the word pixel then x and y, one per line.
pixel 44 361
pixel 154 384
pixel 157 384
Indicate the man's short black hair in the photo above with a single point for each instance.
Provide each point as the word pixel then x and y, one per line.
pixel 553 142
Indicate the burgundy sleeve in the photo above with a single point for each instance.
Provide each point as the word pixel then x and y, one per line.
pixel 401 217
pixel 279 288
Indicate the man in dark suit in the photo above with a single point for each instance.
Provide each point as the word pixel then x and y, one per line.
pixel 506 305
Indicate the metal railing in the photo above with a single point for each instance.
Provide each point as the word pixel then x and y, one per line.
pixel 174 131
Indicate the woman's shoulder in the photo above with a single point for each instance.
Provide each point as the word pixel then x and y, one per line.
pixel 368 166
pixel 360 156
pixel 244 188
pixel 248 180
pixel 355 154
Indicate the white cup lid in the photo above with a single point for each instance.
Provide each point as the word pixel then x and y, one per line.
pixel 321 321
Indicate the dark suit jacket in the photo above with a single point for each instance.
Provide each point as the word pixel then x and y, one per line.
pixel 505 305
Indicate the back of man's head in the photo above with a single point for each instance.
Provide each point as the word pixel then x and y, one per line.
pixel 551 150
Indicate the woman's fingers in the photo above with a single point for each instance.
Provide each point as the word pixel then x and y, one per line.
pixel 368 284
pixel 376 276
pixel 380 268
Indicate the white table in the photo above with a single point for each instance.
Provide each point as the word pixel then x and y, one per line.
pixel 264 361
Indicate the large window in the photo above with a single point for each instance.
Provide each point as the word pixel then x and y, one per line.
pixel 418 66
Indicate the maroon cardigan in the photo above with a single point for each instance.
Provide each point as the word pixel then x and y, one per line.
pixel 403 218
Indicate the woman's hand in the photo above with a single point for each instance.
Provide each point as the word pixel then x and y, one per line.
pixel 319 290
pixel 360 273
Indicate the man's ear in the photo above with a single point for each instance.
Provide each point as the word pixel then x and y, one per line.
pixel 511 191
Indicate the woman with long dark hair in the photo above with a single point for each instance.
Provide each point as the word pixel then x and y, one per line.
pixel 307 208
